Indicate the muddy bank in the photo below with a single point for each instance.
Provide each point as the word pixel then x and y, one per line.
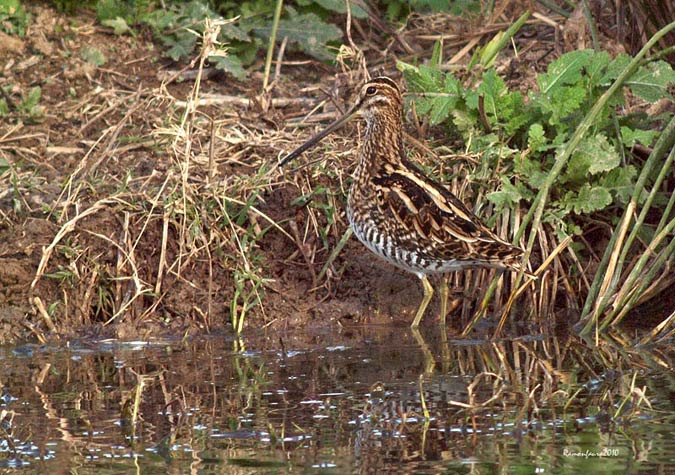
pixel 123 214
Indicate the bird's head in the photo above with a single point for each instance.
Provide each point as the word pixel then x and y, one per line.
pixel 379 97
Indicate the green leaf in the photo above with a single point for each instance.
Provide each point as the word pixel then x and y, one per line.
pixel 515 112
pixel 536 137
pixel 576 171
pixel 29 105
pixel 423 106
pixel 621 182
pixel 440 108
pixel 439 92
pixel 503 108
pixel 407 68
pixel 491 88
pixel 230 31
pixel 530 172
pixel 632 136
pixel 339 6
pixel 93 56
pixel 561 103
pixel 10 7
pixel 567 100
pixel 131 11
pixel 562 228
pixel 597 67
pixel 565 70
pixel 430 5
pixel 31 99
pixel 180 45
pixel 245 51
pixel 587 200
pixel 593 155
pixel 508 196
pixel 442 105
pixel 160 20
pixel 651 82
pixel 422 79
pixel 231 65
pixel 13 17
pixel 119 25
pixel 615 68
pixel 464 121
pixel 601 155
pixel 394 11
pixel 196 10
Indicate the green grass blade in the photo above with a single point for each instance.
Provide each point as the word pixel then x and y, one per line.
pixel 270 46
pixel 608 274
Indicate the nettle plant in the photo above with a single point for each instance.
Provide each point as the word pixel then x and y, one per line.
pixel 525 132
pixel 179 26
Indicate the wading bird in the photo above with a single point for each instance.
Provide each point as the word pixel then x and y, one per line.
pixel 401 214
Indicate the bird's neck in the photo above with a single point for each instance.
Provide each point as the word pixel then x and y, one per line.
pixel 383 141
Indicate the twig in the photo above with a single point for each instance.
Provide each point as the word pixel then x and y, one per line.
pixel 270 46
pixel 65 230
pixel 221 99
pixel 44 314
pixel 280 58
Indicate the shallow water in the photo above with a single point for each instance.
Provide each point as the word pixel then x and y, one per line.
pixel 360 400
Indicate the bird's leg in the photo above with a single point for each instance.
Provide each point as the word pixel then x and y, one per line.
pixel 428 293
pixel 429 361
pixel 444 298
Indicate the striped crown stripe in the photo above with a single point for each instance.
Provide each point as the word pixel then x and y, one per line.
pixel 383 80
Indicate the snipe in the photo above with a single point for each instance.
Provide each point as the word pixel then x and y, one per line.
pixel 401 214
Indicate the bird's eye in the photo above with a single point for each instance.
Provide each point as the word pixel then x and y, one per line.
pixel 371 90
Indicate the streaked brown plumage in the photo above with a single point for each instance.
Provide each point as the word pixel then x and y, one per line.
pixel 401 214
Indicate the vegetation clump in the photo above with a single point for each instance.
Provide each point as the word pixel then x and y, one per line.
pixel 155 204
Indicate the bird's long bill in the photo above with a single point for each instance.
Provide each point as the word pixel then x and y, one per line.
pixel 318 137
